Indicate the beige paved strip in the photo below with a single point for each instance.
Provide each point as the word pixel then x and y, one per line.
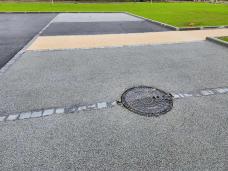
pixel 109 40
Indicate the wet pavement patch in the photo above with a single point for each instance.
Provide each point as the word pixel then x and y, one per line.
pixel 16 30
pixel 90 28
pixel 147 101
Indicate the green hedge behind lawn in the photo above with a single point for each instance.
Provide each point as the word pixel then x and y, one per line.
pixel 177 14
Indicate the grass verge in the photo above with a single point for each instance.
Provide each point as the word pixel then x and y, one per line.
pixel 177 14
pixel 224 38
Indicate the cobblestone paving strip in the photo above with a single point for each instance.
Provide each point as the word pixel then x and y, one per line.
pixel 12 117
pixel 48 112
pixel 25 115
pixel 203 92
pixel 102 105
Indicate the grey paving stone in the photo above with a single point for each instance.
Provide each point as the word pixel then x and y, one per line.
pixel 48 112
pixel 92 106
pixel 222 90
pixel 81 108
pixel 114 103
pixel 188 95
pixel 12 117
pixel 207 92
pixel 59 110
pixel 25 115
pixel 36 114
pixel 101 105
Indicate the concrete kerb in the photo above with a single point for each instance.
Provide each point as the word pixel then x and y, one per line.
pixel 201 28
pixel 153 21
pixel 178 28
pixel 217 41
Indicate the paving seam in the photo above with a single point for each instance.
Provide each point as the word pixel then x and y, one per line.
pixel 22 51
pixel 102 105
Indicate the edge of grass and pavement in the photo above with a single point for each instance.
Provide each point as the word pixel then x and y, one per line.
pixel 177 16
pixel 219 40
pixel 225 38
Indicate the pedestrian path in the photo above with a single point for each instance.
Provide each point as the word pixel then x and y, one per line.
pixel 113 40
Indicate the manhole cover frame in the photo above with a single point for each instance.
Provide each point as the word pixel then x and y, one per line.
pixel 146 114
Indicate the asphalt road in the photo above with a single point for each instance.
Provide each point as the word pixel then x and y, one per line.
pixel 16 30
pixel 99 23
pixel 94 17
pixel 192 136
pixel 90 28
pixel 57 78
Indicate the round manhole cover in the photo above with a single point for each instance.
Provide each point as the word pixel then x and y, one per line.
pixel 147 101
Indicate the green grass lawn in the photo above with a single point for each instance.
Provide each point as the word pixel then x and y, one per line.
pixel 177 14
pixel 224 38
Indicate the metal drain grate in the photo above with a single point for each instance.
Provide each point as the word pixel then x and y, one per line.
pixel 147 101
